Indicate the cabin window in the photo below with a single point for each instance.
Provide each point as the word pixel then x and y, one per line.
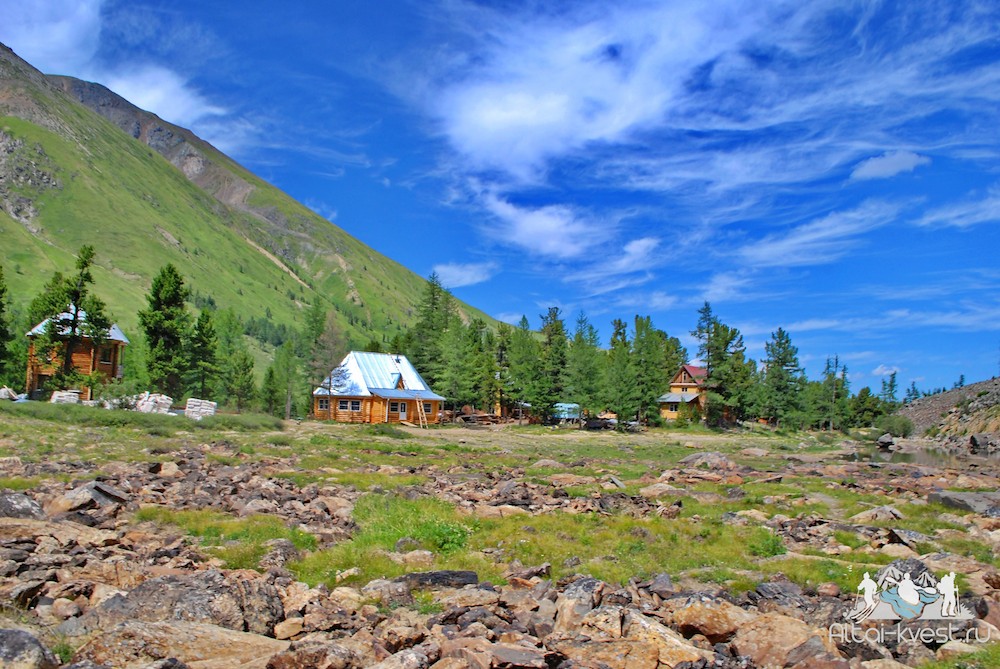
pixel 342 405
pixel 394 407
pixel 427 407
pixel 105 355
pixel 672 407
pixel 355 405
pixel 323 404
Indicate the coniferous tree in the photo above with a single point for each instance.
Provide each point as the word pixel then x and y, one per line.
pixel 729 379
pixel 5 329
pixel 584 367
pixel 270 393
pixel 455 379
pixel 238 378
pixel 865 408
pixel 525 353
pixel 73 312
pixel 203 362
pixel 652 370
pixel 167 324
pixel 552 365
pixel 434 316
pixel 622 397
pixel 502 356
pixel 835 395
pixel 889 389
pixel 288 380
pixel 783 381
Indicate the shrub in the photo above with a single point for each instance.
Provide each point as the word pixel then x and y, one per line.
pixel 896 425
pixel 765 544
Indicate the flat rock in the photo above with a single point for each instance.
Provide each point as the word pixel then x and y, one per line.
pixel 21 650
pixel 134 644
pixel 18 505
pixel 977 502
pixel 770 638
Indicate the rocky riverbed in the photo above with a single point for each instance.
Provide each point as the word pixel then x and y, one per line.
pixel 86 582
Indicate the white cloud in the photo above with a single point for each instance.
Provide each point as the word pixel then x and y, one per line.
pixel 966 213
pixel 885 370
pixel 889 164
pixel 556 231
pixel 456 275
pixel 164 92
pixel 821 241
pixel 55 36
pixel 510 317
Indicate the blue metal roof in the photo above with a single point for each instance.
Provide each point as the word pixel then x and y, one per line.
pixel 677 397
pixel 114 332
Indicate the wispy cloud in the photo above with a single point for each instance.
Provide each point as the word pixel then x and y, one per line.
pixel 885 370
pixel 556 231
pixel 820 241
pixel 456 275
pixel 889 165
pixel 966 213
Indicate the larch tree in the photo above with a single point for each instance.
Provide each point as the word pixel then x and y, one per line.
pixel 167 324
pixel 525 353
pixel 552 365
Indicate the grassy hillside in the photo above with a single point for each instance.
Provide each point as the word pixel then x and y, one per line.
pixel 70 176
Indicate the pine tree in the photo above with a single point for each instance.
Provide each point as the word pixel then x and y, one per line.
pixel 651 370
pixel 202 365
pixel 435 315
pixel 167 325
pixel 525 353
pixel 729 379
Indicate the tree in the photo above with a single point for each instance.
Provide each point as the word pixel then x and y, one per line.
pixel 203 367
pixel 552 365
pixel 889 389
pixel 5 333
pixel 783 381
pixel 287 379
pixel 729 379
pixel 73 312
pixel 167 324
pixel 584 367
pixel 238 378
pixel 620 386
pixel 654 359
pixel 865 408
pixel 435 315
pixel 835 396
pixel 524 369
pixel 325 354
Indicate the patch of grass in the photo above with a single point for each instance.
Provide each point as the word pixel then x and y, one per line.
pixel 735 582
pixel 972 548
pixel 369 480
pixel 851 539
pixel 239 542
pixel 386 430
pixel 764 543
pixel 17 484
pixel 85 416
pixel 246 422
pixel 808 572
pixel 987 658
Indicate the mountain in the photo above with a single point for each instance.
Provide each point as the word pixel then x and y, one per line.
pixel 81 165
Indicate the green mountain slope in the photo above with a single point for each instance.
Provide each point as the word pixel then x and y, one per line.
pixel 80 165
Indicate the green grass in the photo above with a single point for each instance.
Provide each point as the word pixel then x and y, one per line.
pixel 239 542
pixel 987 658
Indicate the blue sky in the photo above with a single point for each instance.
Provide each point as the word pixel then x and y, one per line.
pixel 827 167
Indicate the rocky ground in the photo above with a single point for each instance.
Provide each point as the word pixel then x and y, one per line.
pixel 86 580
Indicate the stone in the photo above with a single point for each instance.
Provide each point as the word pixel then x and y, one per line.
pixel 671 648
pixel 886 441
pixel 876 515
pixel 770 638
pixel 315 655
pixel 883 663
pixel 21 650
pixel 288 628
pixel 133 644
pixel 18 505
pixel 977 502
pixel 90 495
pixel 620 654
pixel 955 649
pixel 658 490
pixel 716 619
pixel 407 659
pixel 510 656
pixel 445 578
pixel 828 590
pixel 578 599
pixel 712 460
pixel 234 600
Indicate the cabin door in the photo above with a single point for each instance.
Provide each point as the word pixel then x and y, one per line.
pixel 402 411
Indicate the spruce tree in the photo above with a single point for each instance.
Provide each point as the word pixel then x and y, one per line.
pixel 525 353
pixel 584 367
pixel 651 369
pixel 552 365
pixel 783 379
pixel 238 378
pixel 620 384
pixel 203 362
pixel 167 324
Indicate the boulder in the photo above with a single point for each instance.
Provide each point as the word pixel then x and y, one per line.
pixel 578 599
pixel 235 600
pixel 315 655
pixel 17 505
pixel 87 496
pixel 135 644
pixel 715 619
pixel 770 639
pixel 21 650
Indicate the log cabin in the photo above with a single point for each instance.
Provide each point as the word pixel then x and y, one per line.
pixel 686 387
pixel 88 357
pixel 376 388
